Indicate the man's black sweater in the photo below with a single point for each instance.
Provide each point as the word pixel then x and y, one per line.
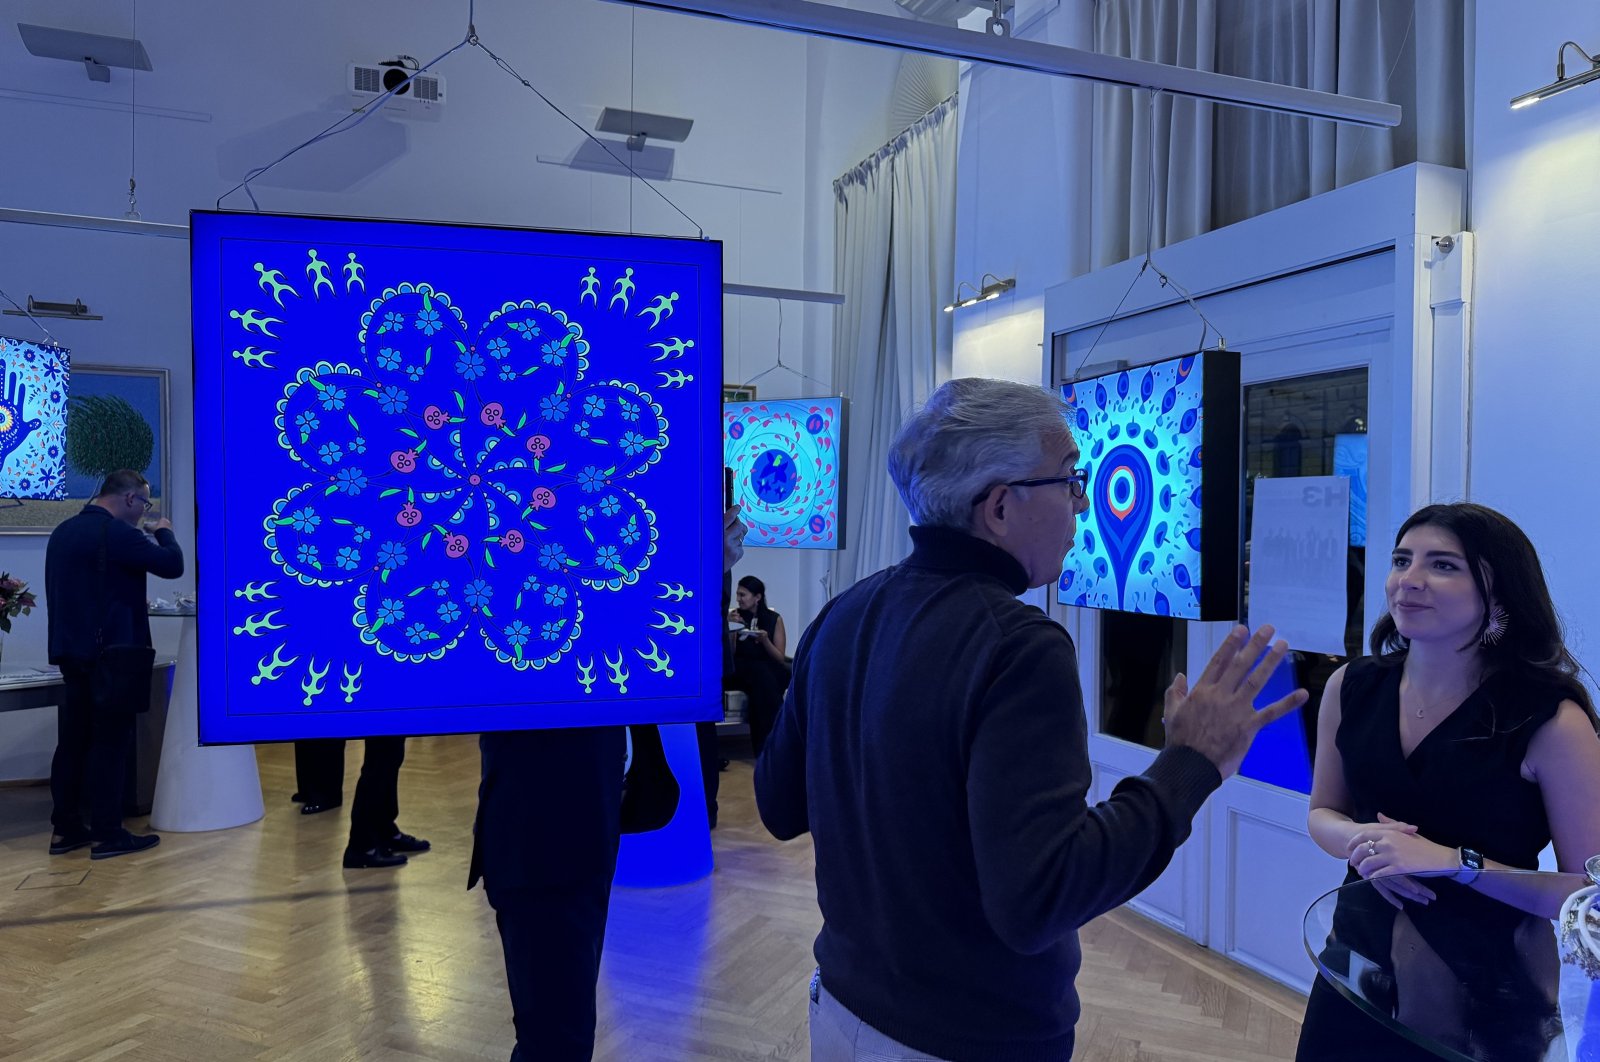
pixel 934 744
pixel 88 607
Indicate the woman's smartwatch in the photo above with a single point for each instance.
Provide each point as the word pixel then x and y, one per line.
pixel 1471 865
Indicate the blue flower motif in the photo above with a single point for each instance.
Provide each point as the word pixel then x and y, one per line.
pixel 305 520
pixel 28 484
pixel 526 329
pixel 54 451
pixel 388 358
pixel 498 347
pixel 360 534
pixel 470 365
pixel 392 322
pixel 358 445
pixel 350 481
pixel 331 453
pixel 630 410
pixel 591 479
pixel 392 555
pixel 333 398
pixel 449 612
pixel 416 632
pixel 478 593
pixel 585 513
pixel 428 322
pixel 552 555
pixel 632 443
pixel 531 582
pixel 391 611
pixel 414 373
pixel 630 534
pixel 594 405
pixel 555 406
pixel 517 633
pixel 610 505
pixel 555 595
pixel 307 554
pixel 553 353
pixel 349 558
pixel 307 422
pixel 440 587
pixel 608 557
pixel 392 399
pixel 552 629
pixel 582 429
pixel 508 372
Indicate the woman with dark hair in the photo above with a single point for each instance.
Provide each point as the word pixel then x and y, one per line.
pixel 760 668
pixel 1466 742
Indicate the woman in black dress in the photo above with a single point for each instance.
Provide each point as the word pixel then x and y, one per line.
pixel 760 668
pixel 1466 738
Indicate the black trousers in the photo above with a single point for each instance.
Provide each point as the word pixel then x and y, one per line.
pixel 319 775
pixel 764 682
pixel 91 759
pixel 549 826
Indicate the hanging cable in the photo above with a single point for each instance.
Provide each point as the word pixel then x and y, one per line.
pixel 132 213
pixel 788 369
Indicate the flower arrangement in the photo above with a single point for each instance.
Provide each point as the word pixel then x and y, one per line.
pixel 15 600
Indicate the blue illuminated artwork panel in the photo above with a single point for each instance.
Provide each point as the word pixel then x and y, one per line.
pixel 787 457
pixel 453 479
pixel 33 419
pixel 1161 446
pixel 1350 461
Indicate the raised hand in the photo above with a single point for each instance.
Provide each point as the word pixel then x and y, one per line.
pixel 13 429
pixel 1218 718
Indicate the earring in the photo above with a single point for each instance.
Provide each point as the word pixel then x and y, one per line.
pixel 1496 629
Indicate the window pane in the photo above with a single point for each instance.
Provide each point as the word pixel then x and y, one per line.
pixel 1139 657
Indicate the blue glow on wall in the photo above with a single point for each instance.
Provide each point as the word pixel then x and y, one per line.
pixel 1161 446
pixel 679 852
pixel 453 479
pixel 787 457
pixel 1350 460
pixel 33 419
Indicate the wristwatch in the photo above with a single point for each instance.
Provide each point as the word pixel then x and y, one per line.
pixel 1471 865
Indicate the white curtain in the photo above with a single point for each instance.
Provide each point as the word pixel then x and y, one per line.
pixel 894 260
pixel 1216 165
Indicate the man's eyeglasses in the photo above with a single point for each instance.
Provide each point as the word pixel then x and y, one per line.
pixel 140 499
pixel 1077 483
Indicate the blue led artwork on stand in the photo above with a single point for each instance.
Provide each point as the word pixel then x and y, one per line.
pixel 1161 446
pixel 787 457
pixel 453 479
pixel 33 419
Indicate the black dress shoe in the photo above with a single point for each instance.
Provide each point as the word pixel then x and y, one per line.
pixel 317 807
pixel 372 857
pixel 62 843
pixel 126 844
pixel 297 798
pixel 404 842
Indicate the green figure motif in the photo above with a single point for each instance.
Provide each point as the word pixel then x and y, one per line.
pixel 616 674
pixel 255 591
pixel 675 378
pixel 674 592
pixel 590 283
pixel 317 273
pixel 586 674
pixel 673 349
pixel 273 278
pixel 252 320
pixel 352 682
pixel 661 306
pixel 271 670
pixel 675 624
pixel 625 286
pixel 263 622
pixel 353 271
pixel 253 357
pixel 315 681
pixel 657 660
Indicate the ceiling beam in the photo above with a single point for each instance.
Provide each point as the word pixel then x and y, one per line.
pixel 888 31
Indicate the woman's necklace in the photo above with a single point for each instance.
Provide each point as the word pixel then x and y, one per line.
pixel 1422 710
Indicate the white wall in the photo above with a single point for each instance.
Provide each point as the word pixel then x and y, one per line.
pixel 1537 219
pixel 777 116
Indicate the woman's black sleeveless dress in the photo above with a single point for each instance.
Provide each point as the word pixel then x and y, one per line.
pixel 1461 786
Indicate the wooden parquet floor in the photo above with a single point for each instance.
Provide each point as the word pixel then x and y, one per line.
pixel 254 944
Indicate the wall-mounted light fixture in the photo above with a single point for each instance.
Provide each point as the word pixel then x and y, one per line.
pixel 992 287
pixel 1562 81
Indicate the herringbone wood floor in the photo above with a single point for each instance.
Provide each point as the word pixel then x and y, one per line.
pixel 254 944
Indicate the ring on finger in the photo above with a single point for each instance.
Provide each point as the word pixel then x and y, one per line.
pixel 1372 848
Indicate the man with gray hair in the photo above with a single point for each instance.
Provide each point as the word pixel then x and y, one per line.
pixel 933 742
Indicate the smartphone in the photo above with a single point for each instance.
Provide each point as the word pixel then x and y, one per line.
pixel 727 487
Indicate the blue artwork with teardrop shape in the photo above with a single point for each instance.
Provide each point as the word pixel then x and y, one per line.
pixel 453 478
pixel 1142 433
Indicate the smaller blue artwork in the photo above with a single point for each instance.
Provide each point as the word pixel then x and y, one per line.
pixel 787 457
pixel 33 419
pixel 1161 446
pixel 1350 461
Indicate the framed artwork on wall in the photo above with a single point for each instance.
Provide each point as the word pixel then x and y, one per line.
pixel 738 393
pixel 115 417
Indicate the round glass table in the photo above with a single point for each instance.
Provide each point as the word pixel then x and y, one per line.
pixel 1483 972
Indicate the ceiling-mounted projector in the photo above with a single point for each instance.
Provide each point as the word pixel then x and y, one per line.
pixel 421 97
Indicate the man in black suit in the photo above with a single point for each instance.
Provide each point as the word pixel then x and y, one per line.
pixel 545 845
pixel 94 579
pixel 375 837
